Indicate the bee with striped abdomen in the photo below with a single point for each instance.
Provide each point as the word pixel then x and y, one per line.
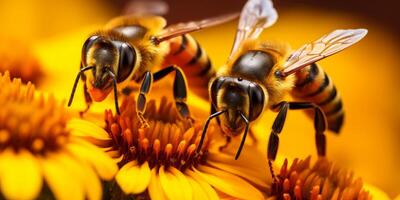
pixel 259 74
pixel 128 49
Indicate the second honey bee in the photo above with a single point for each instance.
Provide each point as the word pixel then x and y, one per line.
pixel 259 74
pixel 130 47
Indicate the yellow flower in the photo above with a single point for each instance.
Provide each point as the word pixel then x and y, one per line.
pixel 37 152
pixel 323 180
pixel 18 58
pixel 160 162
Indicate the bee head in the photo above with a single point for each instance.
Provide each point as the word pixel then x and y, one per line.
pixel 238 98
pixel 102 54
pixel 109 58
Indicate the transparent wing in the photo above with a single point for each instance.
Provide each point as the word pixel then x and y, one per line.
pixel 255 17
pixel 182 28
pixel 325 46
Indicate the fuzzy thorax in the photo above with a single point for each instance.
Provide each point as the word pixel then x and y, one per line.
pixel 276 87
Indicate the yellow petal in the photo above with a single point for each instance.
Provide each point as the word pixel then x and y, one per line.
pixel 133 178
pixel 155 189
pixel 89 131
pixel 102 163
pixel 249 166
pixel 92 182
pixel 228 183
pixel 376 193
pixel 206 187
pixel 250 158
pixel 175 184
pixel 114 154
pixel 247 173
pixel 62 178
pixel 84 173
pixel 20 175
pixel 198 191
pixel 124 178
pixel 118 159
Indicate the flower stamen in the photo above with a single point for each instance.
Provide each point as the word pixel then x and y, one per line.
pixel 18 59
pixel 35 124
pixel 168 141
pixel 323 180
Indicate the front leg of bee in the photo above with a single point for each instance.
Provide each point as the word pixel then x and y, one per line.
pixel 180 89
pixel 228 139
pixel 141 100
pixel 88 100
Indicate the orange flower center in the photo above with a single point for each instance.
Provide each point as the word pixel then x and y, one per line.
pixel 17 58
pixel 321 181
pixel 27 122
pixel 169 140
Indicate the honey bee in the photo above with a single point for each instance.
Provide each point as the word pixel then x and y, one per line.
pixel 259 74
pixel 128 49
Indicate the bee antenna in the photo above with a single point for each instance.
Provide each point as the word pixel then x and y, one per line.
pixel 203 135
pixel 71 98
pixel 244 135
pixel 115 90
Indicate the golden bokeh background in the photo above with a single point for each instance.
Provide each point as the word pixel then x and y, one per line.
pixel 366 74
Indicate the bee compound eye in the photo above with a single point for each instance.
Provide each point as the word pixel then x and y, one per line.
pixel 89 42
pixel 86 46
pixel 257 99
pixel 215 87
pixel 127 61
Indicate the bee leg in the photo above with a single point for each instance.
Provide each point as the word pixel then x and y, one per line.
pixel 203 134
pixel 180 95
pixel 180 89
pixel 273 142
pixel 227 138
pixel 141 99
pixel 227 142
pixel 88 100
pixel 320 124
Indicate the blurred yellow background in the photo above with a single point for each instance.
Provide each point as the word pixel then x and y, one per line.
pixel 366 74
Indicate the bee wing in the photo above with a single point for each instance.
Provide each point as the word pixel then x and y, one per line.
pixel 183 28
pixel 325 46
pixel 255 17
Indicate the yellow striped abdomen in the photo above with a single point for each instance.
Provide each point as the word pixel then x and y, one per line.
pixel 186 53
pixel 314 85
